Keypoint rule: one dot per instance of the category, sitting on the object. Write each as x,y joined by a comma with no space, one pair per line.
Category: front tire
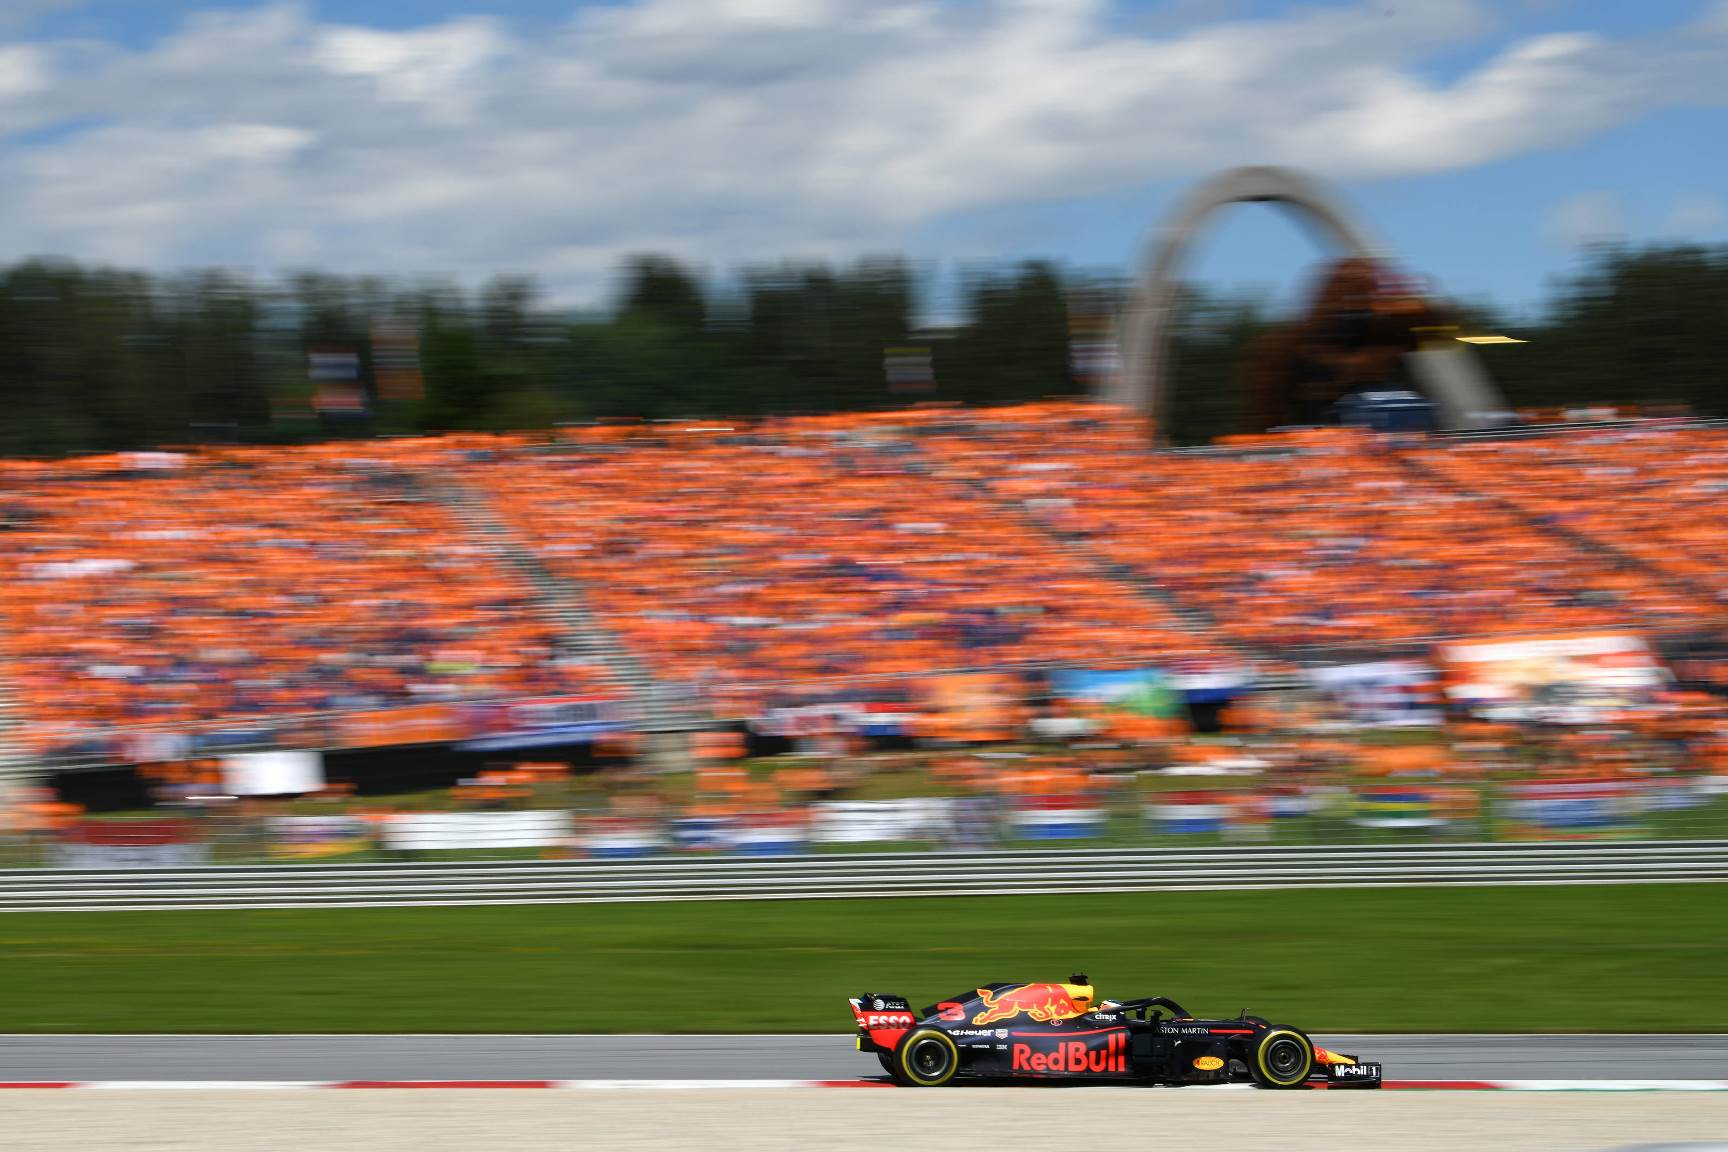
925,1058
1281,1058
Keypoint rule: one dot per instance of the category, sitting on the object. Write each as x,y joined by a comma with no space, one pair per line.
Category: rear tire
925,1058
1281,1058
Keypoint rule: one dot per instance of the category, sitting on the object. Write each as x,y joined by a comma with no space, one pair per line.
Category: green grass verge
1634,958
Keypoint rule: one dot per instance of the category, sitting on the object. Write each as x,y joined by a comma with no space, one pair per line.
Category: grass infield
1612,958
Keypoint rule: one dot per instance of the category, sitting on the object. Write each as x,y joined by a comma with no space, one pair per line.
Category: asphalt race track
830,1057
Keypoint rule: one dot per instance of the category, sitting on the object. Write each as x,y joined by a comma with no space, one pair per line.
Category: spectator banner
1383,693
1217,687
163,745
1062,727
263,734
1137,691
156,747
337,387
1573,806
419,724
622,838
1058,818
1585,805
1288,803
311,837
700,833
881,821
973,706
540,723
769,834
1189,812
273,773
130,844
864,719
1558,679
885,719
908,370
443,831
1393,807
804,720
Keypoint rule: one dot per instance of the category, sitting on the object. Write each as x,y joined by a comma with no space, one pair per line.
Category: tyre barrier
841,876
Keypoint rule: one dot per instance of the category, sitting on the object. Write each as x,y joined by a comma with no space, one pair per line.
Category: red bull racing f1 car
1058,1032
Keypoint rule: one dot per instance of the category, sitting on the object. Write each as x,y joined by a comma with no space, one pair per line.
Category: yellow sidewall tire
903,1063
1265,1074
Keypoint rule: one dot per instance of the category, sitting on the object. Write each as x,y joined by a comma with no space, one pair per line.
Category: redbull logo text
1075,1056
1042,1002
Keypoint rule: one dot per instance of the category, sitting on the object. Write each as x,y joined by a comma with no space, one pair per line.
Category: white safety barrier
843,875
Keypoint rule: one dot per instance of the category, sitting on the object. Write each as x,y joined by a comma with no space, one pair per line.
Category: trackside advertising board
1140,691
1574,678
1382,693
542,723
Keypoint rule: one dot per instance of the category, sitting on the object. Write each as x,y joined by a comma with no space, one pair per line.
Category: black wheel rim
1284,1057
929,1059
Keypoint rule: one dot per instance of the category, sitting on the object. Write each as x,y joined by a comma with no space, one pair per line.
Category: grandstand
1647,495
241,591
1326,538
234,586
803,553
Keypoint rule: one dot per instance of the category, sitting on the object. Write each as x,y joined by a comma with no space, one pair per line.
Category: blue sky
1486,143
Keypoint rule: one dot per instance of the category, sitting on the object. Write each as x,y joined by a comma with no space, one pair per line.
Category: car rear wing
882,1020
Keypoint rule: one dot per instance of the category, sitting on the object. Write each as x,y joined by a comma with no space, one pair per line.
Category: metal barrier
863,875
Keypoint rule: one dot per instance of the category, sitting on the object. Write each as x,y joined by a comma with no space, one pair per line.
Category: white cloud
1594,217
724,130
23,71
441,66
1533,96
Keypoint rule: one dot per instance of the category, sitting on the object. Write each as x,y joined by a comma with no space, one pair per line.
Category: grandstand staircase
659,707
1619,558
15,762
1191,618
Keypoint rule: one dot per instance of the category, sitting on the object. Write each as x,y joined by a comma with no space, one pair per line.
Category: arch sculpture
1447,371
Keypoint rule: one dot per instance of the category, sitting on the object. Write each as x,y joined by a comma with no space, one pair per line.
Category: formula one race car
1053,1032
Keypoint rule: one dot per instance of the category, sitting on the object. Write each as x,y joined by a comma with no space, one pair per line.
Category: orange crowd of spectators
801,553
1299,539
1653,492
753,563
248,583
